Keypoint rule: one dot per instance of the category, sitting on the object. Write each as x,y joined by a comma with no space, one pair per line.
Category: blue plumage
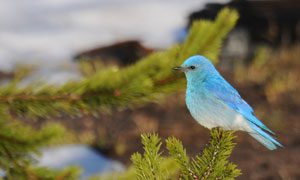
213,102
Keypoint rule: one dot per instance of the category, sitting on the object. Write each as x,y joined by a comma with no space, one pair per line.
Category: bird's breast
207,110
200,107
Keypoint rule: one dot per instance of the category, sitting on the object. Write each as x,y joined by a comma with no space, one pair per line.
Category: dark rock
120,54
6,75
268,21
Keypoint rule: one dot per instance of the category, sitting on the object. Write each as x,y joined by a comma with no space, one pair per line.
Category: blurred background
260,57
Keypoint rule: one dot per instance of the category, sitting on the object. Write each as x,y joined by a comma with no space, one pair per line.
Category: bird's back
210,111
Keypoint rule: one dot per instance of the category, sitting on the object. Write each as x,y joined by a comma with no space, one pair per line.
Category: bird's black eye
192,67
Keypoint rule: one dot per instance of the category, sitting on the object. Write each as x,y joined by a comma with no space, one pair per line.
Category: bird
214,103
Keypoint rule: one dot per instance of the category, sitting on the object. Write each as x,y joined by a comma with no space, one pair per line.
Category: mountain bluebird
213,102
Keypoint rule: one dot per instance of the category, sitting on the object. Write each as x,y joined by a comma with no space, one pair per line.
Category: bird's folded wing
220,88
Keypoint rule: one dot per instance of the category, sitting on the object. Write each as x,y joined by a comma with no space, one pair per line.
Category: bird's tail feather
264,138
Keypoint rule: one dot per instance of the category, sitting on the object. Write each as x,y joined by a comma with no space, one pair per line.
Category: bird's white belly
210,113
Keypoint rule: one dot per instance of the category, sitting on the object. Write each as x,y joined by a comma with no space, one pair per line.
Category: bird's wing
220,88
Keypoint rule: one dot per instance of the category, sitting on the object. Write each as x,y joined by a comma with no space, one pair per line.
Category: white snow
91,162
50,32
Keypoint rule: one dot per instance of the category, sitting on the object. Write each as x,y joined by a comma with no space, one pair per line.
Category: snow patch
91,162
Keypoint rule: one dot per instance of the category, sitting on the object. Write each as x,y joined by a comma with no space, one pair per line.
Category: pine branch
42,173
203,38
150,79
177,151
211,164
148,165
19,143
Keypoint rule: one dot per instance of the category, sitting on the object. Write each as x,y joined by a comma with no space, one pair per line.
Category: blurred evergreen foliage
150,79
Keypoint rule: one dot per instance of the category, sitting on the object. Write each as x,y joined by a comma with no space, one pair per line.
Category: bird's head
196,67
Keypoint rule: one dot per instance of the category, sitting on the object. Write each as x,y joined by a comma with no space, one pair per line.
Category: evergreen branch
148,165
204,40
150,79
177,151
18,144
213,162
46,98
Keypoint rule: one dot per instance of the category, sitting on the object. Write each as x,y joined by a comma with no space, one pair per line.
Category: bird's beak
179,68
